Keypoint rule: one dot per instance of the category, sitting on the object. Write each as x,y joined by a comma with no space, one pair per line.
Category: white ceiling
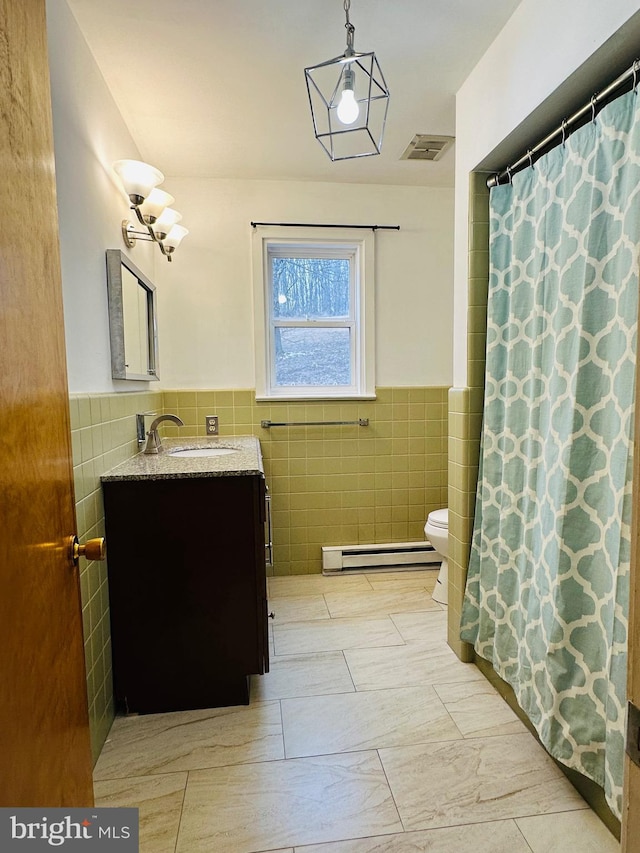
215,88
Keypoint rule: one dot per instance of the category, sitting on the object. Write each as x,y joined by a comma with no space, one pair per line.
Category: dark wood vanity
187,581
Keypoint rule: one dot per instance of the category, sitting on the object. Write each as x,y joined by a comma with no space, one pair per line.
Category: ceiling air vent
424,146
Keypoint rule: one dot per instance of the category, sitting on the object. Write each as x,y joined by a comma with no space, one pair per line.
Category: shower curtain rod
596,100
326,225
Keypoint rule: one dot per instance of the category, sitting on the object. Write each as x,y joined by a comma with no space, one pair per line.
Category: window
314,316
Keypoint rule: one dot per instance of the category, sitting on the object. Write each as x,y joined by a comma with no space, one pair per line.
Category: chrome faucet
140,430
154,443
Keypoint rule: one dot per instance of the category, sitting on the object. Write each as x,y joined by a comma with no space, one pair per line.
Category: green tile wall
337,485
329,485
103,434
465,413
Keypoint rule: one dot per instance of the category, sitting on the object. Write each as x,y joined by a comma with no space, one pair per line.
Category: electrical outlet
211,424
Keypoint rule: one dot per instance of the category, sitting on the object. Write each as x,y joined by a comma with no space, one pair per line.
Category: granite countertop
245,461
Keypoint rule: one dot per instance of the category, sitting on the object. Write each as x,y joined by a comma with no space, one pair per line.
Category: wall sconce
349,100
151,205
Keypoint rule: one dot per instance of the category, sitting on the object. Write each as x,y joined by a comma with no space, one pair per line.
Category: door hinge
633,733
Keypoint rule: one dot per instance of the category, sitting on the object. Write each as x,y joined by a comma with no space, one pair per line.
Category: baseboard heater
395,556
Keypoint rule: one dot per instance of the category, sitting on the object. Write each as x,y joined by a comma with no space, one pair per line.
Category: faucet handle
140,430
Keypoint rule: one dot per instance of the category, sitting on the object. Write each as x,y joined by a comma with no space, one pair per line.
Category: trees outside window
315,305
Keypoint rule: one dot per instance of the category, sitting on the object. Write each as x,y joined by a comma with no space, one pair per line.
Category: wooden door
45,757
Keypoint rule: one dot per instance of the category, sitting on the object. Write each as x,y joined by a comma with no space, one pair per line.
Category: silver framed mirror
132,320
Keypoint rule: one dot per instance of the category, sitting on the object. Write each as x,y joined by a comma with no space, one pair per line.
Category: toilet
437,532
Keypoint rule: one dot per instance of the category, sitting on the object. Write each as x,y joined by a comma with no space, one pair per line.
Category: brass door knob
93,549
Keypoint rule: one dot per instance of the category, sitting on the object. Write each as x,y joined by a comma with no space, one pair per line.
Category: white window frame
359,247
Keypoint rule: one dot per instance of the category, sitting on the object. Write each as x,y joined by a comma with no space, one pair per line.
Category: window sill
305,399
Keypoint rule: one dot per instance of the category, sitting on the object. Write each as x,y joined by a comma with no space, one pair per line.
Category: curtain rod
561,131
326,225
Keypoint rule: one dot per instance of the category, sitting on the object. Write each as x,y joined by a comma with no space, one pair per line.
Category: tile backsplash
330,485
337,485
103,434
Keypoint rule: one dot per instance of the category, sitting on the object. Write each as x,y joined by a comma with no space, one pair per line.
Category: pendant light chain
349,26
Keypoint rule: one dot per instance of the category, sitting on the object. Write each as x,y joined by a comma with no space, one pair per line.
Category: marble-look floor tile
478,710
494,837
321,725
302,675
406,666
286,803
428,628
378,602
186,740
467,781
297,585
325,635
567,832
159,799
400,581
295,608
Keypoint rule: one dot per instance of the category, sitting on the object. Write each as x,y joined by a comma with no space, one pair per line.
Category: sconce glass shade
154,204
165,222
326,84
138,178
174,238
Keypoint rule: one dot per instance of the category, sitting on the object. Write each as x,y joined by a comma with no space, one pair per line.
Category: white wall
205,294
524,71
89,135
205,308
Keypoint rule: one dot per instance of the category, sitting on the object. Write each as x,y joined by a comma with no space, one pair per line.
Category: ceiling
215,88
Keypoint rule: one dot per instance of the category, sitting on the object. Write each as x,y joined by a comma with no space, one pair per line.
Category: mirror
132,320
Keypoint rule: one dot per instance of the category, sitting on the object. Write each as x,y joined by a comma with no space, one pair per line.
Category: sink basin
201,452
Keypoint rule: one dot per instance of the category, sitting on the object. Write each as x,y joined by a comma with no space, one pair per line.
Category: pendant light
349,99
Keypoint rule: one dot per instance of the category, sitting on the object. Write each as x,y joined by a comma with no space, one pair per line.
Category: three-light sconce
151,206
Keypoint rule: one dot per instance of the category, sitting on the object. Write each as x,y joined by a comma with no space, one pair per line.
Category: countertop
246,461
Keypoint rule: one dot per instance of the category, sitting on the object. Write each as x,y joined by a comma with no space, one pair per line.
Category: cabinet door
187,589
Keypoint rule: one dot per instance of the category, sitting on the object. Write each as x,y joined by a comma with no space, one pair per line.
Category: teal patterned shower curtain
548,584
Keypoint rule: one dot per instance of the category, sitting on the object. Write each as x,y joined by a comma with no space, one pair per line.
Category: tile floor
367,736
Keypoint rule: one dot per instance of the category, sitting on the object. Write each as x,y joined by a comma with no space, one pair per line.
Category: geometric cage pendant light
349,100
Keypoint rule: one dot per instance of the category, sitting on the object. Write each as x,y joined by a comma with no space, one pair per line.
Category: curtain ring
635,76
564,131
594,101
510,180
530,155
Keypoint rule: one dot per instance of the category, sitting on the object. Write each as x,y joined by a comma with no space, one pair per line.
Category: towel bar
360,422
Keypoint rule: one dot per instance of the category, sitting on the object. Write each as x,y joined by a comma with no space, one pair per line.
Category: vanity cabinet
187,589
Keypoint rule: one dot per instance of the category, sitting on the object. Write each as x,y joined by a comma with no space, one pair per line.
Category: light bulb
348,109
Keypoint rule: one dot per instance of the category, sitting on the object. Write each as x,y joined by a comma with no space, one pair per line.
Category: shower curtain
547,592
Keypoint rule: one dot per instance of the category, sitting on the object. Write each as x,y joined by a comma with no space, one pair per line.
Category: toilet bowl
437,532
